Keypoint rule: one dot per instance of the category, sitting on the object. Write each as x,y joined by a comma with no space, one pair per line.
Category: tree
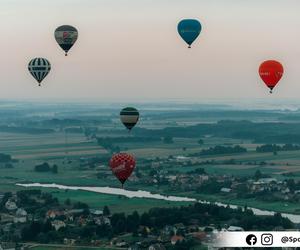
5,158
106,211
133,222
199,171
80,205
291,184
68,202
5,198
47,227
145,219
257,175
55,169
44,167
168,140
138,173
118,222
200,142
144,232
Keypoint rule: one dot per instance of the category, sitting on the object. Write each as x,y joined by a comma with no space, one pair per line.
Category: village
15,221
33,216
165,175
17,224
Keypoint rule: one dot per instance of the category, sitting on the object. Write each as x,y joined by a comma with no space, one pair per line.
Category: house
6,218
225,190
179,227
7,246
58,224
11,205
82,221
135,246
267,180
176,238
202,178
74,212
102,221
235,229
21,216
181,158
172,178
166,233
52,214
69,241
96,212
199,235
286,191
156,246
7,227
121,243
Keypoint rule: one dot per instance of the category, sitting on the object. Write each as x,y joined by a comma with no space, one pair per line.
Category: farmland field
68,150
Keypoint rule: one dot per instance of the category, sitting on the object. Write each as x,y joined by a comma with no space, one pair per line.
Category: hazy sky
130,49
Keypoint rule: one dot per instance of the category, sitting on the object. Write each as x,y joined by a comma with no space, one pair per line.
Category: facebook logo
251,239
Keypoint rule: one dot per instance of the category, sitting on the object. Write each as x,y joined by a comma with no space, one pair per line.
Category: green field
65,150
70,248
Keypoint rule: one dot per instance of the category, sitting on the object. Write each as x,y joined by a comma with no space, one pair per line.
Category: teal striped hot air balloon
189,30
39,68
129,117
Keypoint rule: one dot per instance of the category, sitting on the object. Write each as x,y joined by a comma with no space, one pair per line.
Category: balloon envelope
271,72
189,30
66,36
129,117
39,68
122,165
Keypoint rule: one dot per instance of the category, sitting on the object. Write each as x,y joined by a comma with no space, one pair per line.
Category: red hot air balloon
122,165
271,72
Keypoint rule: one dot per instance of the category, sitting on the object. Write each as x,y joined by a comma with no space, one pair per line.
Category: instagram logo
267,239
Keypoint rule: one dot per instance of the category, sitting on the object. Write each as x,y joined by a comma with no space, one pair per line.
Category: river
146,194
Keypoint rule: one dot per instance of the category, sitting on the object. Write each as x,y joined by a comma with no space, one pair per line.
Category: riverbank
146,194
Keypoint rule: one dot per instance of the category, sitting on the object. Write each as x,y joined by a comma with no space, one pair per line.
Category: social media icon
251,239
267,239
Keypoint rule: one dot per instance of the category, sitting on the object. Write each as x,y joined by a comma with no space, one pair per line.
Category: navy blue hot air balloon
189,30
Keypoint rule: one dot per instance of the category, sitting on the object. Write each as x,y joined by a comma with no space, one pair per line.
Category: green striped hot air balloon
129,117
39,68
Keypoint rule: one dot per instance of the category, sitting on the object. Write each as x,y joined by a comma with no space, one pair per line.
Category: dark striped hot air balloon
129,117
66,36
39,68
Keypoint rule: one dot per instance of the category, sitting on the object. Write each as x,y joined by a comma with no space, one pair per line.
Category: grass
116,203
282,207
35,149
41,247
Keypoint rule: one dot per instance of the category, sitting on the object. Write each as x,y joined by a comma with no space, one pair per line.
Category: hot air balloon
129,117
189,30
271,72
122,165
39,68
66,36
